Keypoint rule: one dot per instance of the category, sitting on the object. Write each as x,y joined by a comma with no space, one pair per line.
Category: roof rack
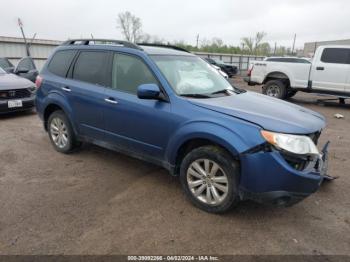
101,41
164,45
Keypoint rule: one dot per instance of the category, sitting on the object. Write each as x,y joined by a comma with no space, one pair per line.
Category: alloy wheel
59,132
207,182
273,91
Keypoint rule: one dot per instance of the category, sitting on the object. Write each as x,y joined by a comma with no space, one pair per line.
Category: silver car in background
16,93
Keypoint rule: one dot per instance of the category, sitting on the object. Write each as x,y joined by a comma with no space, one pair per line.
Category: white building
14,49
310,48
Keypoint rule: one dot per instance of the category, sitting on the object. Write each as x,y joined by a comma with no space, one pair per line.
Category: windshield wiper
228,90
223,91
196,95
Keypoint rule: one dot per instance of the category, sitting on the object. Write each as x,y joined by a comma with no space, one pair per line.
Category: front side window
60,62
336,55
129,73
4,63
26,63
92,67
190,75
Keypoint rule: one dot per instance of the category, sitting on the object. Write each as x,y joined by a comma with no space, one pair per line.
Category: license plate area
14,103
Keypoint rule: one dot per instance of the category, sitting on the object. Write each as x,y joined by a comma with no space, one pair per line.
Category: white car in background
327,73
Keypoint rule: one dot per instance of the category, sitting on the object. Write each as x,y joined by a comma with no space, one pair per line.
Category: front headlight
296,144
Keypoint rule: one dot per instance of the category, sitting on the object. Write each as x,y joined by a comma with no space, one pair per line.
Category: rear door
331,70
86,87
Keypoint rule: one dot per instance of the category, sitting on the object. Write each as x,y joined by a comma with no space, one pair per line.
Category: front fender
233,141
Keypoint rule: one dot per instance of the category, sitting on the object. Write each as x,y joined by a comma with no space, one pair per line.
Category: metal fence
14,49
241,61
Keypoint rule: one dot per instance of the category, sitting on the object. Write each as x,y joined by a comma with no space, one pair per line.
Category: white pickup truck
327,73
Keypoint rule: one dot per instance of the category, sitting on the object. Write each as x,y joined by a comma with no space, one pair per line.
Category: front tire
275,88
291,93
61,132
209,177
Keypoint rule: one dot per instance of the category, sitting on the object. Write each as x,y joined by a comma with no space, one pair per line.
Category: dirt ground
100,202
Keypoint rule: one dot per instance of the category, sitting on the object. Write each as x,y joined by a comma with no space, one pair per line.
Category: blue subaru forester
168,106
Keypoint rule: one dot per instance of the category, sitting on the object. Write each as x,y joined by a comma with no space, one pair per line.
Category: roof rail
101,41
164,45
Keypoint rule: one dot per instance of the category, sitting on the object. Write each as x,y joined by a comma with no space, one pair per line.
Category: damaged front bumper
268,178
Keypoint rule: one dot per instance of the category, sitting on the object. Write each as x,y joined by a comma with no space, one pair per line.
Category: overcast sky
230,20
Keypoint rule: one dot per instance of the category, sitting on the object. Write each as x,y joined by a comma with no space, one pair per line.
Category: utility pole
32,40
20,24
295,37
274,50
197,41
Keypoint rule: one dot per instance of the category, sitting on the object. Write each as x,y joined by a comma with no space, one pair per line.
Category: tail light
38,81
250,70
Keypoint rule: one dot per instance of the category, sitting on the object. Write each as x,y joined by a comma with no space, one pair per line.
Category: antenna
20,24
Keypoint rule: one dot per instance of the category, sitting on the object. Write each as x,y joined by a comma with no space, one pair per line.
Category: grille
14,94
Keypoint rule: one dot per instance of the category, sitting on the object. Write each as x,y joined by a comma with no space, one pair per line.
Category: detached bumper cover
268,178
27,103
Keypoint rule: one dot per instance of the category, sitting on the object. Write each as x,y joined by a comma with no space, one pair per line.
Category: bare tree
248,43
130,25
255,45
258,39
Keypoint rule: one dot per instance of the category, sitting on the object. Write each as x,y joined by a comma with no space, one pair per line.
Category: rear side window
61,61
336,55
129,72
92,67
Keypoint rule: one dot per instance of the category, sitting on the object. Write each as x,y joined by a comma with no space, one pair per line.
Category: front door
133,124
332,69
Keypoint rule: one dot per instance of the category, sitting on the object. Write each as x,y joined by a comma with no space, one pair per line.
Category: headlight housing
295,144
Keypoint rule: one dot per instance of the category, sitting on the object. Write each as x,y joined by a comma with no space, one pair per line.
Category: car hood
11,81
269,113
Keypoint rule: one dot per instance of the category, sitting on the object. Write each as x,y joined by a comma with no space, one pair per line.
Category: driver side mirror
148,91
21,71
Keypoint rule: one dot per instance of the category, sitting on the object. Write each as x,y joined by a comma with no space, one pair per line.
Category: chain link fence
241,61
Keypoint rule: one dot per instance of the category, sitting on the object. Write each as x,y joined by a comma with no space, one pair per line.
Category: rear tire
209,178
61,133
275,88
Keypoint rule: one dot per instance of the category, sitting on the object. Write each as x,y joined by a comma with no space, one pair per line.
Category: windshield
2,71
190,75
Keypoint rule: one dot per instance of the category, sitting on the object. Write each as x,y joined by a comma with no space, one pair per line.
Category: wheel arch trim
215,133
57,99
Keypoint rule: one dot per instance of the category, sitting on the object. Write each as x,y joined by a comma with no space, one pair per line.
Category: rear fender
55,98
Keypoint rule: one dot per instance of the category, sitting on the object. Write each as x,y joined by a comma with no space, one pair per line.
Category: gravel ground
100,202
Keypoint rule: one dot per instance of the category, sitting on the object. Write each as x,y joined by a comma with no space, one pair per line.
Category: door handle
111,101
320,68
67,89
